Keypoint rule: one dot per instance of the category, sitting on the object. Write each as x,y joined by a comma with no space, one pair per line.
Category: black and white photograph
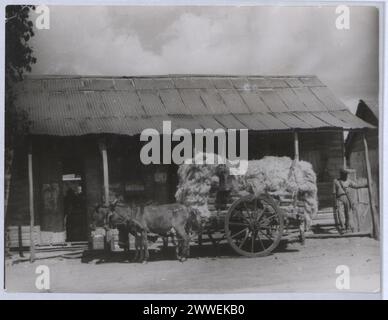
192,149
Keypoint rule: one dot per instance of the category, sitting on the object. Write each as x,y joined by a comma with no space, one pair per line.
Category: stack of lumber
20,236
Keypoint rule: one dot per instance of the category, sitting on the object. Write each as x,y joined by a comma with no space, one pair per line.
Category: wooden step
324,216
337,235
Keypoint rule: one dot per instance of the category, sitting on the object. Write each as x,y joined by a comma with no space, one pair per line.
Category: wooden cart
255,225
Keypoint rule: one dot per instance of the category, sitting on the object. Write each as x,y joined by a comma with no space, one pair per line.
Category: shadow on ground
158,254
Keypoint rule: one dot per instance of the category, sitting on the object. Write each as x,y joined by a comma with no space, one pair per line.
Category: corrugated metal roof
68,106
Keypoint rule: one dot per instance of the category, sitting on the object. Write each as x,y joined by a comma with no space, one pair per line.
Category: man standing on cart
344,204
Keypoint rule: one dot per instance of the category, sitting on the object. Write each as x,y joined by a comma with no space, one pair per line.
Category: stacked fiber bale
279,175
195,182
269,174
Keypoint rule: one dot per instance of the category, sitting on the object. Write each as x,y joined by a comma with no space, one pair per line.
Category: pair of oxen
167,220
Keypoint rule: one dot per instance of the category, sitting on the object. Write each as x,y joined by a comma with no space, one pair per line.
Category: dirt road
309,268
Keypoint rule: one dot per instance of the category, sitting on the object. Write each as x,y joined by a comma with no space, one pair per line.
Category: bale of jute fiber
195,181
280,175
269,174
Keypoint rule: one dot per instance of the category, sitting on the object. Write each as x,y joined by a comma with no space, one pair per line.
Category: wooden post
296,146
20,238
343,150
32,216
105,171
375,217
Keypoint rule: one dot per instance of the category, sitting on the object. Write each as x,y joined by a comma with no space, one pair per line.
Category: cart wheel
254,225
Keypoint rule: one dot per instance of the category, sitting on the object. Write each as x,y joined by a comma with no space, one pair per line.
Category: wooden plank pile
19,236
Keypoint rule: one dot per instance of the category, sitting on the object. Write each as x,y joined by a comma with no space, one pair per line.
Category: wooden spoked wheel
254,225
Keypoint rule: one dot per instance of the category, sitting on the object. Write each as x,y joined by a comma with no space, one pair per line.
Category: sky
254,40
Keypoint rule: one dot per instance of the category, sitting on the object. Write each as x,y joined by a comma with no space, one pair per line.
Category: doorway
74,200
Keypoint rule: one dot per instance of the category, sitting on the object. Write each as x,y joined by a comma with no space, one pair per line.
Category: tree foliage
18,53
18,59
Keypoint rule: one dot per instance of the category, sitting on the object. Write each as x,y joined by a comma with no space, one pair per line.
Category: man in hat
344,204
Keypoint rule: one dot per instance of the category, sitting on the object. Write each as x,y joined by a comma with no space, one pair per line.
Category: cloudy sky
214,40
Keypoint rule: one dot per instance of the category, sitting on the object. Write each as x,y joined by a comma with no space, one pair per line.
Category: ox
164,220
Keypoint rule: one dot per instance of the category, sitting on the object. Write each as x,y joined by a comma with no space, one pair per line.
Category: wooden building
368,111
84,143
